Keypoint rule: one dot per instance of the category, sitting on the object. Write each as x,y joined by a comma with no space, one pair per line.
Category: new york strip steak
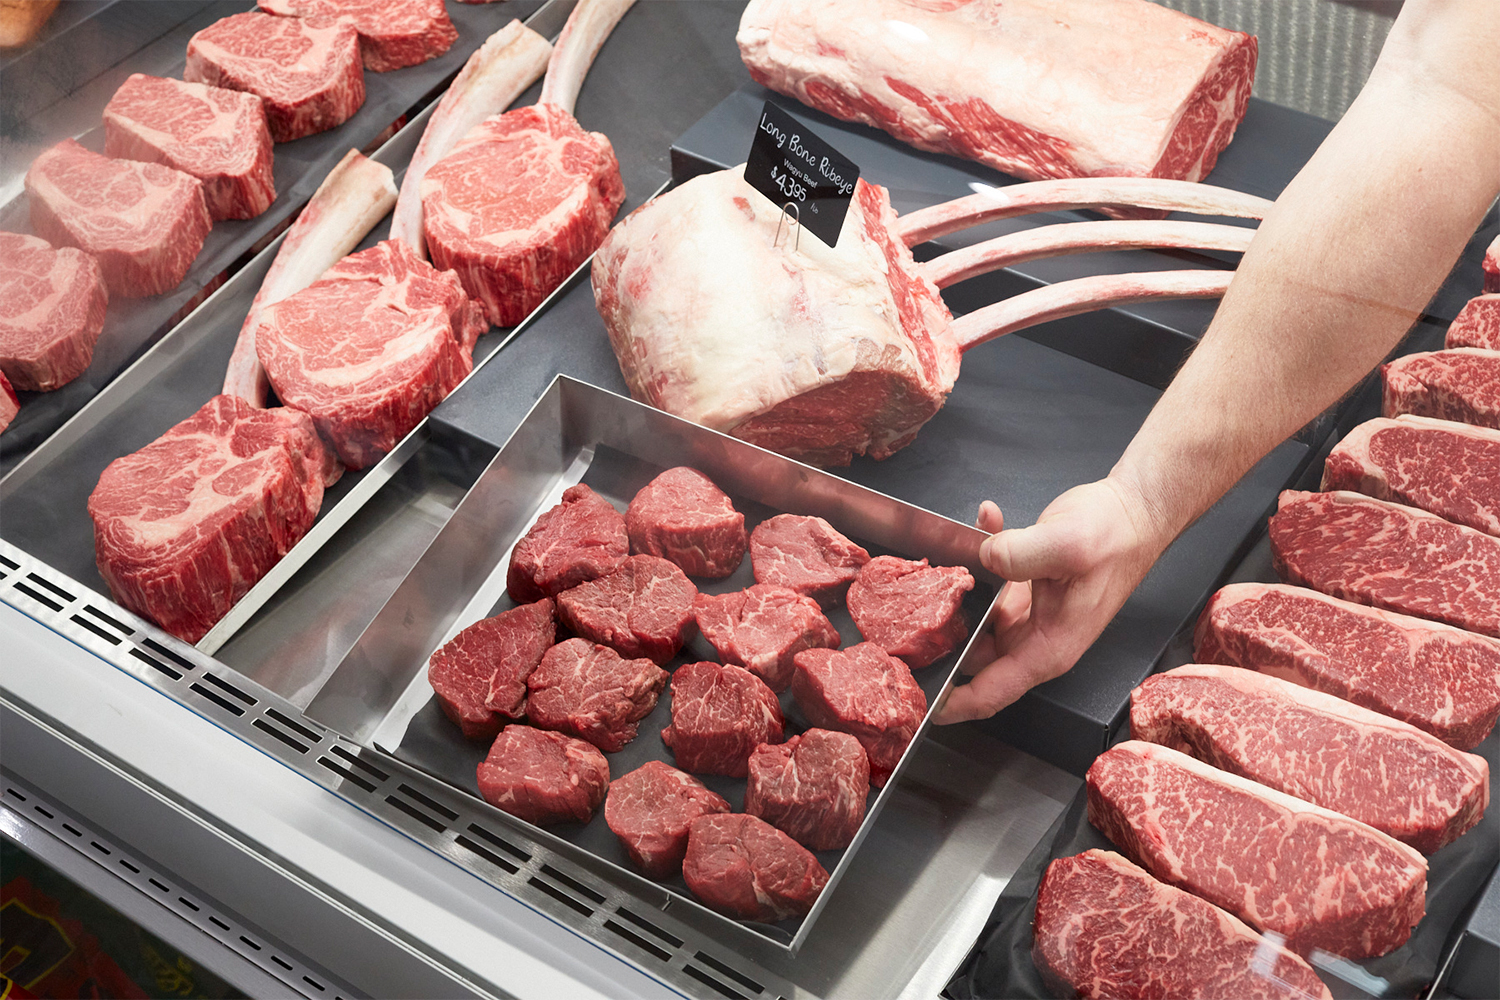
1462,384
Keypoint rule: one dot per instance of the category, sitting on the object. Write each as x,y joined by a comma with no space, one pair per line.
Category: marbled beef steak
10,405
1476,325
642,608
745,867
51,311
910,609
805,554
392,33
650,810
763,628
591,692
863,691
682,516
580,539
543,777
720,714
479,676
1462,384
812,787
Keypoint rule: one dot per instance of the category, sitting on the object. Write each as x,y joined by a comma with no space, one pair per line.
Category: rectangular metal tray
379,695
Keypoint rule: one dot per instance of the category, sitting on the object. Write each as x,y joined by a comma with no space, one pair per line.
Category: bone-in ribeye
54,303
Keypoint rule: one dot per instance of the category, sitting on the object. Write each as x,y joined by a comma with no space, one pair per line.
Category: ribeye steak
682,516
479,676
745,867
910,609
543,777
591,692
51,311
642,608
580,539
805,554
763,628
650,810
1460,385
1476,325
812,787
864,691
392,33
720,714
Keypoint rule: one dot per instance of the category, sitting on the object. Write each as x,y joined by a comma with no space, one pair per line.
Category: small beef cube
543,777
720,714
480,674
812,787
644,608
745,867
682,516
593,693
650,810
805,554
762,628
910,609
580,539
863,691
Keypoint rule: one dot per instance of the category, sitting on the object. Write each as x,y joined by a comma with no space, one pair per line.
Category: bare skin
1341,267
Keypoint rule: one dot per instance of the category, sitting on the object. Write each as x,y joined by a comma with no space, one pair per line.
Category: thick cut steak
812,787
392,33
51,311
370,348
543,777
185,527
1388,556
682,516
593,693
479,676
217,135
1030,87
1447,468
580,539
745,867
763,628
1476,325
1380,771
643,608
1443,680
1105,928
650,810
863,691
805,554
910,609
10,405
1320,879
720,714
1459,385
306,70
144,223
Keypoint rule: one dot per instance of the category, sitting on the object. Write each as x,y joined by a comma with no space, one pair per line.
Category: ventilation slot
151,661
416,813
346,774
39,598
561,897
650,928
109,620
572,883
189,903
436,807
223,703
500,842
486,854
314,984
282,962
157,647
113,640
229,689
266,727
100,847
15,795
69,827
41,582
660,954
294,726
713,984
360,763
724,970
8,564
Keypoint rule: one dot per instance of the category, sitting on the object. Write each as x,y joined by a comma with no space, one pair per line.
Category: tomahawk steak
910,609
763,628
479,676
745,867
863,691
805,554
51,311
682,516
543,777
1451,385
720,714
1477,324
392,33
650,810
593,693
580,539
642,608
812,787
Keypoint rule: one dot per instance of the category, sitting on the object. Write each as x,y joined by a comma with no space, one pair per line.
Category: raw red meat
479,676
591,692
1492,267
682,516
863,691
217,135
543,777
1317,877
306,70
392,33
805,554
1388,556
812,787
1447,468
1391,775
581,539
650,810
763,628
9,404
1442,680
910,609
142,222
745,867
51,311
1459,385
643,608
1105,928
185,527
720,714
370,347
1476,325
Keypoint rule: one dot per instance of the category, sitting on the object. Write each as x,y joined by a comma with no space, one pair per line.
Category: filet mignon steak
643,608
720,714
682,516
650,810
805,554
1477,324
580,539
591,692
763,628
812,787
543,777
910,609
863,691
392,33
745,867
51,311
1462,385
479,676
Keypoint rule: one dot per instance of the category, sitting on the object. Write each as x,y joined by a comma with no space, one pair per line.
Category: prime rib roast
910,609
479,676
743,866
864,691
581,538
682,516
642,608
812,787
392,33
762,628
590,691
805,554
10,404
1462,384
543,777
650,810
51,311
1477,324
720,714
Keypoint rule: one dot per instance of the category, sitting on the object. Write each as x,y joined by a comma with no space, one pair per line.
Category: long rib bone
582,37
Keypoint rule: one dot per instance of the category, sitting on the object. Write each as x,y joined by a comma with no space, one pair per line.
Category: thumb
1033,553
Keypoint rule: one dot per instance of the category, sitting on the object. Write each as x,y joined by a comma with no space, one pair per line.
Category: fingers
1000,683
990,518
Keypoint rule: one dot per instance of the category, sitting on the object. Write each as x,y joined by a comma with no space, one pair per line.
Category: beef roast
10,405
805,554
910,609
543,777
866,692
51,311
479,676
1320,879
1462,385
650,810
144,223
745,867
1476,325
682,516
1442,680
1105,928
812,787
643,608
720,714
593,693
580,539
392,33
763,628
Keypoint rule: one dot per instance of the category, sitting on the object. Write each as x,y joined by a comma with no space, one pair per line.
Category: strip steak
745,867
650,810
479,676
643,608
805,554
51,311
1462,385
580,539
864,691
392,33
543,777
591,692
910,609
763,628
682,516
720,714
1477,324
812,787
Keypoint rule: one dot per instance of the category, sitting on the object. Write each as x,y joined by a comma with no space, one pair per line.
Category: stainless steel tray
379,696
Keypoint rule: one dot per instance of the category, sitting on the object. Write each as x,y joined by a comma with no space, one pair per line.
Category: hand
1070,573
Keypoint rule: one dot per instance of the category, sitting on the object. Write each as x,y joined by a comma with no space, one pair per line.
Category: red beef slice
650,810
805,554
720,714
863,691
479,676
910,609
591,692
644,608
9,404
581,539
762,628
745,867
392,33
812,787
543,777
51,311
682,516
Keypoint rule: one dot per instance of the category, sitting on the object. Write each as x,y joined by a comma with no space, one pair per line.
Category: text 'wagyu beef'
1462,384
643,608
593,693
682,516
51,311
580,539
763,628
812,787
863,691
543,777
479,676
720,714
910,609
392,33
745,867
650,810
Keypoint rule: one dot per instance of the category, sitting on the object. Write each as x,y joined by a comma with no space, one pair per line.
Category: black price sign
789,164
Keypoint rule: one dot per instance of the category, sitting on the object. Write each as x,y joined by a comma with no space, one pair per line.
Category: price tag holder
789,164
